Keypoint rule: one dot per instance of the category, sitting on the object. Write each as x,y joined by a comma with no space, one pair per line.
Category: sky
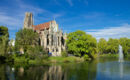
100,18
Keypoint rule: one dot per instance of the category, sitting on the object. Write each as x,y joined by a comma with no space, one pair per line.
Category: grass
23,59
65,59
110,55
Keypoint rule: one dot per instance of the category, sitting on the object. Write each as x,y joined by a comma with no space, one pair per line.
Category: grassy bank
65,59
48,60
109,55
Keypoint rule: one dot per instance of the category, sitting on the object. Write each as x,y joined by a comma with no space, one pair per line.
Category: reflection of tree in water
81,71
2,72
69,71
6,72
31,73
40,73
55,73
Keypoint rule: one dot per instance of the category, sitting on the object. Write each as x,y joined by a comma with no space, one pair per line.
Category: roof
42,26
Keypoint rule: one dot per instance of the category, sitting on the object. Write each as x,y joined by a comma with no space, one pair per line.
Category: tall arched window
47,39
62,41
52,40
58,40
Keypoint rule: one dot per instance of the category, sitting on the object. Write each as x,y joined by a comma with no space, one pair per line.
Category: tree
4,45
125,43
36,52
102,45
4,31
113,45
79,43
25,38
4,38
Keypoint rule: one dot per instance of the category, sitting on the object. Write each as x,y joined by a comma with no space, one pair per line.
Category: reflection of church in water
55,73
52,39
34,73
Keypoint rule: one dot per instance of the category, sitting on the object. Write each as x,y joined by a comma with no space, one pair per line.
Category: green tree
4,38
113,45
102,45
25,38
4,31
125,43
36,52
11,47
79,43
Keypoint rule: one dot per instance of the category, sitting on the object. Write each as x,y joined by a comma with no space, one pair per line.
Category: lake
102,69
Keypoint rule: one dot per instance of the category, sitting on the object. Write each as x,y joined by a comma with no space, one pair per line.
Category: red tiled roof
42,26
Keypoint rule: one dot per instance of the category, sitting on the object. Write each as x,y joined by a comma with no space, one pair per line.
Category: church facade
51,38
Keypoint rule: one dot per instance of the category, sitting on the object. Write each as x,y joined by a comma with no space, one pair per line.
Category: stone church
51,38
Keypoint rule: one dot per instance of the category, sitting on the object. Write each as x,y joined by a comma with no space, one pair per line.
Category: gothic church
51,38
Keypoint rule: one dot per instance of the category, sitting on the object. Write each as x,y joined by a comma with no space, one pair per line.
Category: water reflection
2,72
113,71
121,69
69,71
55,73
10,73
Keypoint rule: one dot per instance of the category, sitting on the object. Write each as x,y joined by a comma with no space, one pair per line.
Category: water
104,69
121,54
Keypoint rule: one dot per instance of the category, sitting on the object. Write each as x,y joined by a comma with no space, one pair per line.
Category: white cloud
86,2
70,2
13,17
57,15
9,21
93,15
56,2
111,32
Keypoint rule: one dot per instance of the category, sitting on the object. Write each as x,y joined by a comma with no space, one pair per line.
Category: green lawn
65,59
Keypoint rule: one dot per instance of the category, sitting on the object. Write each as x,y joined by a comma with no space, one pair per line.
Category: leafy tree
4,31
3,45
64,53
36,52
125,43
113,45
102,45
11,47
79,43
4,38
25,38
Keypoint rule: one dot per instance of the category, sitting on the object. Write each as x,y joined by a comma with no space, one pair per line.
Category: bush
36,52
64,54
86,57
65,59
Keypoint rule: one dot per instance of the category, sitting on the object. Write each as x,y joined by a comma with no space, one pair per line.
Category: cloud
57,15
111,32
93,15
9,21
56,2
14,19
70,2
13,16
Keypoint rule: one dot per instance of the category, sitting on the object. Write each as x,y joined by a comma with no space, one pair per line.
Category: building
51,38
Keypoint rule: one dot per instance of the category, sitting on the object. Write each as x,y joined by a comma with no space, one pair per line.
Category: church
51,38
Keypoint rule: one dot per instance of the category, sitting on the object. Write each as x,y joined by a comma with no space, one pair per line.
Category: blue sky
101,18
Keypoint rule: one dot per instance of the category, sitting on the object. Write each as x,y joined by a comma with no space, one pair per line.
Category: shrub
86,57
64,54
36,52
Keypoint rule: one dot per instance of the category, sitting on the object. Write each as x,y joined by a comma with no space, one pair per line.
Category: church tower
28,21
